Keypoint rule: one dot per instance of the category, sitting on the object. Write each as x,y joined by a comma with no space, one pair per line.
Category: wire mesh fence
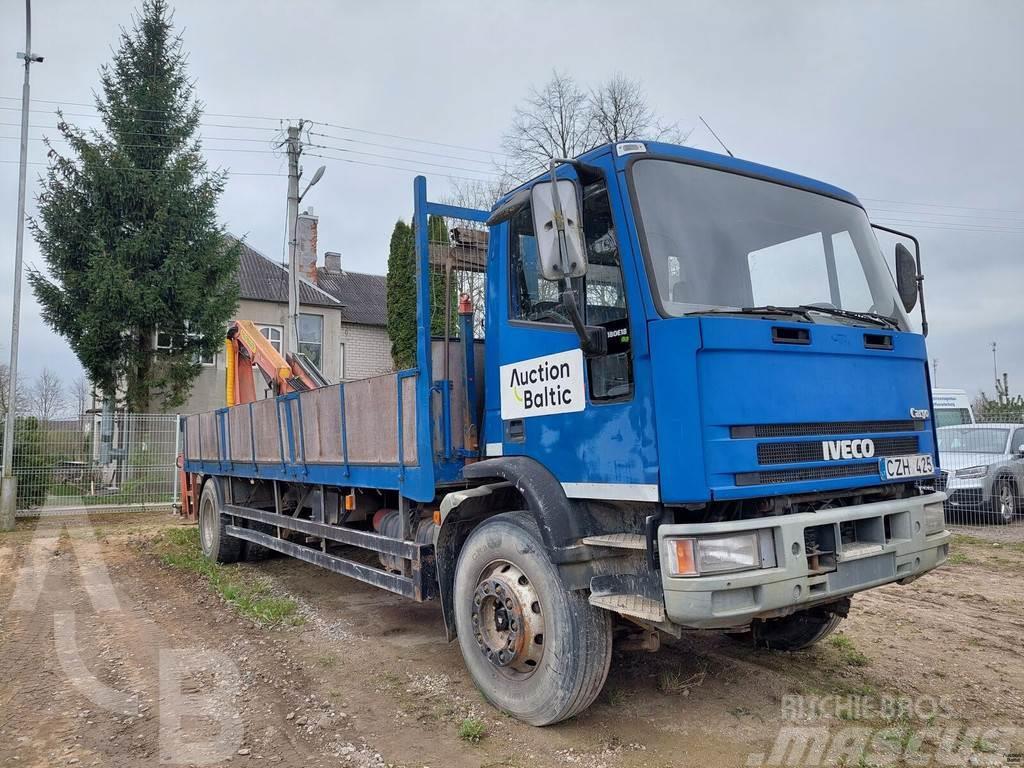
94,462
982,463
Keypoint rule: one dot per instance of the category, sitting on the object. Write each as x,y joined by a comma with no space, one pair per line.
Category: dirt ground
109,657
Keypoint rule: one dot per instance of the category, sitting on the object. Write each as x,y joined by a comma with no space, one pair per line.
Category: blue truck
656,390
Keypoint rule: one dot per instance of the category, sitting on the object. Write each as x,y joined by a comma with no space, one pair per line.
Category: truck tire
534,649
215,542
794,632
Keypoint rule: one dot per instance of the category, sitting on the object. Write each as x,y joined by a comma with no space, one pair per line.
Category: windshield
972,440
946,417
721,240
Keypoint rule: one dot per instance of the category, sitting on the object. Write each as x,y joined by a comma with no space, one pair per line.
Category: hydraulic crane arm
247,350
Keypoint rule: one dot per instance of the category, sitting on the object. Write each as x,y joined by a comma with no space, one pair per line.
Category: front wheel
794,632
534,649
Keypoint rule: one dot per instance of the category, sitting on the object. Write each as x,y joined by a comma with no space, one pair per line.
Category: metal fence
983,469
94,462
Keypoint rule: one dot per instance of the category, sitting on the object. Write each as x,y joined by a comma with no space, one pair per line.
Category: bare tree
553,121
80,394
619,111
563,120
48,396
20,396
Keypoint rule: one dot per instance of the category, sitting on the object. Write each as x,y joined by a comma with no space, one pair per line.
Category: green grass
248,594
848,652
472,729
959,558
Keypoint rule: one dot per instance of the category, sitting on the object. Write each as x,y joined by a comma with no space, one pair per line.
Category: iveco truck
657,390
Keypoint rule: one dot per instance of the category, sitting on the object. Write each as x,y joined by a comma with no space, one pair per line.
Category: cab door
578,417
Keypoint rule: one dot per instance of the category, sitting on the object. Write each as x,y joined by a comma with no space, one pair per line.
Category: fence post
177,453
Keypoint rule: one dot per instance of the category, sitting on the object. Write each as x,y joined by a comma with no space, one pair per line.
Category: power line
162,170
399,159
381,165
93,106
407,138
400,149
940,205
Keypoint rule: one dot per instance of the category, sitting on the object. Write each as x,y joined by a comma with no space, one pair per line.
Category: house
342,323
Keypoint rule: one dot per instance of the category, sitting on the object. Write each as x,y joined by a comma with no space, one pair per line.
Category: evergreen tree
401,287
127,227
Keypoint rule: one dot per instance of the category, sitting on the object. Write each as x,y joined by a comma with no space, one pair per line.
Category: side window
611,376
532,297
1018,441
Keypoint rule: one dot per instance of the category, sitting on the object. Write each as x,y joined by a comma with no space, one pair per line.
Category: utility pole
294,142
995,370
8,483
935,372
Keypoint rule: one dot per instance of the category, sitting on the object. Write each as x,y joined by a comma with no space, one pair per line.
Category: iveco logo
847,449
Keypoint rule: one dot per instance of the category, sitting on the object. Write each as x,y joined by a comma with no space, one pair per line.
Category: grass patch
672,682
848,652
959,558
248,594
472,729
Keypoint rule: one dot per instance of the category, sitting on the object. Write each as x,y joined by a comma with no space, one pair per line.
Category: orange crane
247,350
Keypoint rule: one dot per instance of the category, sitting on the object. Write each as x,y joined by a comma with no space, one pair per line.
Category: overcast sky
917,108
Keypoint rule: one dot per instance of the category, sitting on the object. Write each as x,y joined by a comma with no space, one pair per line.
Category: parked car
983,468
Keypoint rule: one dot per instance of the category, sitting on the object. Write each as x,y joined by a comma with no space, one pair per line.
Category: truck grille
825,428
791,453
772,477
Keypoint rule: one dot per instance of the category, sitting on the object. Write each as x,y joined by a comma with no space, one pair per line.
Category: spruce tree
127,227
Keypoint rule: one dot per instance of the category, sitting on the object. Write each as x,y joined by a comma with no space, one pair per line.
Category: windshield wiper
867,317
765,310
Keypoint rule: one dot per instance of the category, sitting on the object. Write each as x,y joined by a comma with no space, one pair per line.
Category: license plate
915,465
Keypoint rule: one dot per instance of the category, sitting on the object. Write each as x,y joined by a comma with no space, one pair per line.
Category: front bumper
893,547
971,494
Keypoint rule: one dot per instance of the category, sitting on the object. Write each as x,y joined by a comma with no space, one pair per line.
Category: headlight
702,555
934,519
969,472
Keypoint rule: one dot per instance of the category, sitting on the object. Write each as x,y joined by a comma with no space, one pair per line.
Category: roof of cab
657,149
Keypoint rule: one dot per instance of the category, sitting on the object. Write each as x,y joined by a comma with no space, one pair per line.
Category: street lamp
293,272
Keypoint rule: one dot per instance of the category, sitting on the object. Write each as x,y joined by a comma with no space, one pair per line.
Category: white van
952,407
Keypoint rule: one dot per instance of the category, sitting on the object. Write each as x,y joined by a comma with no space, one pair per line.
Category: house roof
260,279
364,298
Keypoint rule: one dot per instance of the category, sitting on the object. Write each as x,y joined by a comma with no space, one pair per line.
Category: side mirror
557,262
906,276
1020,451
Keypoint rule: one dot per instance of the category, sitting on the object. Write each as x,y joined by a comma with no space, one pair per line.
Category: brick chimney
332,262
305,247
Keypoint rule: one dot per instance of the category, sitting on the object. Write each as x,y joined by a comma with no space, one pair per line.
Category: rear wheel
215,542
534,649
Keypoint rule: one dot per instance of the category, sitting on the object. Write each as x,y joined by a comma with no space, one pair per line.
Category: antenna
716,136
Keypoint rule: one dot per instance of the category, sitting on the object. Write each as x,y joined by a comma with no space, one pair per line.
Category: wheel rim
1006,501
508,621
207,520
